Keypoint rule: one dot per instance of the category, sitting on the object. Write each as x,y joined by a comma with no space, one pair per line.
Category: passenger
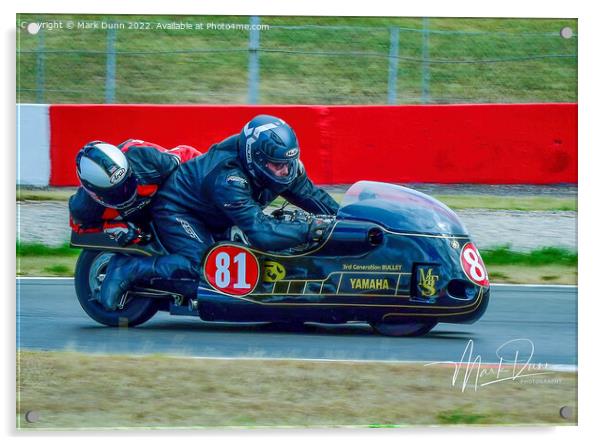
118,183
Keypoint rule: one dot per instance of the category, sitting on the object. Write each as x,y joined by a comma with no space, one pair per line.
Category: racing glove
319,227
123,233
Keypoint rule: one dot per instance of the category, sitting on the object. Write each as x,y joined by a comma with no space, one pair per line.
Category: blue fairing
399,209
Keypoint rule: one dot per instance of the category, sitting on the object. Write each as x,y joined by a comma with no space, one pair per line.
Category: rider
229,186
118,184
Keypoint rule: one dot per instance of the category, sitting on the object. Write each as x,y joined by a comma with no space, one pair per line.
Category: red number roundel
473,266
232,270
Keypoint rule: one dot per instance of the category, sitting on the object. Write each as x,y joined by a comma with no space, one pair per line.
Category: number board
473,266
232,269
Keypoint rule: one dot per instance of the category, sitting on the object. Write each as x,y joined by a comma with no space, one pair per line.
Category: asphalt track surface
543,318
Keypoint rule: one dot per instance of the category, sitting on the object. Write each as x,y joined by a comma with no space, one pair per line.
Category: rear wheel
407,329
89,272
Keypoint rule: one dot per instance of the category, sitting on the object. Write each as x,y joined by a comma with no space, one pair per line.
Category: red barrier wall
492,144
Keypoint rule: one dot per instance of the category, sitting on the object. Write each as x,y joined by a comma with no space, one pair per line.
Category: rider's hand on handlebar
279,213
292,215
319,227
123,233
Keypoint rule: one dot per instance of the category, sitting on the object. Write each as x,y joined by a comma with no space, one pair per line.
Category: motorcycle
395,258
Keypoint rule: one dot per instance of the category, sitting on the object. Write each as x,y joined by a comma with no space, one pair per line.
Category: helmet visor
279,171
119,196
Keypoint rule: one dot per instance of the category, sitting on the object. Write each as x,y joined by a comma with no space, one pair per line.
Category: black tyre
89,271
407,329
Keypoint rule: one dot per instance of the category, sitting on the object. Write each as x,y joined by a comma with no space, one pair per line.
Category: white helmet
106,175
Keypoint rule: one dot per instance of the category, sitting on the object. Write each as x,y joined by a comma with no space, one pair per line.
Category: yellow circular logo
273,271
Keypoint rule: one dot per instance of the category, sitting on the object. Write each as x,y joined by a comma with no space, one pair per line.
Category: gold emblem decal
427,283
273,271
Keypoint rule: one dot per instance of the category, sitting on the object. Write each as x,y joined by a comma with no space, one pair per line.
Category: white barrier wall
33,145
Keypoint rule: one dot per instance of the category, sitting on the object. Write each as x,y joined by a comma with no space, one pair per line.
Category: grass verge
524,203
53,194
491,202
60,266
72,391
456,202
549,265
551,274
38,260
533,63
41,250
542,266
539,257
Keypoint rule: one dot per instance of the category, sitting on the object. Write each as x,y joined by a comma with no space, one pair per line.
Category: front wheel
89,272
408,329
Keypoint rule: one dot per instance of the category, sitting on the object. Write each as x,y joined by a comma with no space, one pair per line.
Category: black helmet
269,150
105,174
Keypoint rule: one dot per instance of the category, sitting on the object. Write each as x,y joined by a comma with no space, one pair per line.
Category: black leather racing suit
211,193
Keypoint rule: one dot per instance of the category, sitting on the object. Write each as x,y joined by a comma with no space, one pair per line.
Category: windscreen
400,209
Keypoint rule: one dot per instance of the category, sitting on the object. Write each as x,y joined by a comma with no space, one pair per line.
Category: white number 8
222,275
477,272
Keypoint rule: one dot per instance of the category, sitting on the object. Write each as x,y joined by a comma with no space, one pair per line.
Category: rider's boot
123,270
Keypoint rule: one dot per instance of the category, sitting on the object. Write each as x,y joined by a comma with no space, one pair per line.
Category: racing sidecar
395,258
